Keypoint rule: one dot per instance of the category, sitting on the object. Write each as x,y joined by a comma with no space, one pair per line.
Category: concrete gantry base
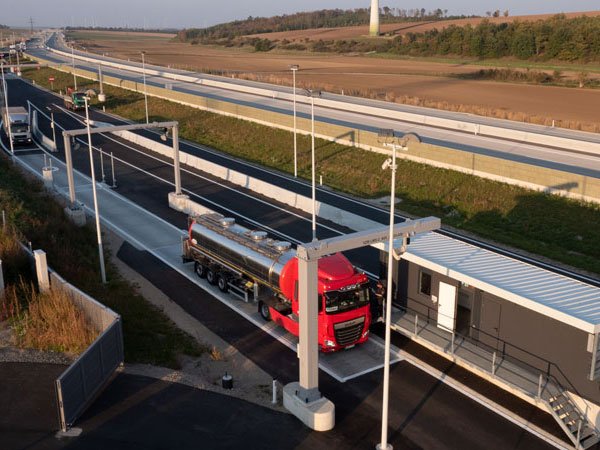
178,201
48,176
76,214
318,415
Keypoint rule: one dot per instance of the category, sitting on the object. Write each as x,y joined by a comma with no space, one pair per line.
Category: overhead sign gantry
303,398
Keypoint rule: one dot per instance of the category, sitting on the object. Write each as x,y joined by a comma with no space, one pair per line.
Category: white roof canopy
570,301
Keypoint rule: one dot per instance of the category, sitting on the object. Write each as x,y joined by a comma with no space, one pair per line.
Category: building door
489,323
464,311
446,306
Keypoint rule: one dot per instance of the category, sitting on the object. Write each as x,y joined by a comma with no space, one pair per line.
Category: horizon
181,12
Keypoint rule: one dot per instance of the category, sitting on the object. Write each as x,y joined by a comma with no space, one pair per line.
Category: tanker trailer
258,268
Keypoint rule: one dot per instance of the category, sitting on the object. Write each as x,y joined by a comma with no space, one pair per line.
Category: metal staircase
571,419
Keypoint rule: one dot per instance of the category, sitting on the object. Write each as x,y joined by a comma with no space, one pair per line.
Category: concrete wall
574,186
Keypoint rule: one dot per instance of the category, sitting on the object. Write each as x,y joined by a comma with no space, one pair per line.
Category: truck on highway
74,100
261,269
17,118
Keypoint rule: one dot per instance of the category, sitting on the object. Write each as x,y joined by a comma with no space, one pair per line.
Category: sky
201,13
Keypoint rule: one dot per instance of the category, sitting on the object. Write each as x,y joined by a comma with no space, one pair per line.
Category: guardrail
504,133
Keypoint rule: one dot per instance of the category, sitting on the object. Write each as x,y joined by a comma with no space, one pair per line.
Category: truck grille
349,332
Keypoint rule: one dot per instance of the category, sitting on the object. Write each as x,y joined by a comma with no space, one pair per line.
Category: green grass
551,226
149,336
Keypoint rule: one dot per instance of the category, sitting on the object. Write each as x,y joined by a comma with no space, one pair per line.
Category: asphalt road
425,413
136,412
515,151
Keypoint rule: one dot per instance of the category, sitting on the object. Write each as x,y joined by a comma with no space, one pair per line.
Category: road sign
51,79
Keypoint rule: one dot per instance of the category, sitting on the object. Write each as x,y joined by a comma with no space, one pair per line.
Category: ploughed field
424,82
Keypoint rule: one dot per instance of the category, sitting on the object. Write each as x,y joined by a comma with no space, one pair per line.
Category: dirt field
407,81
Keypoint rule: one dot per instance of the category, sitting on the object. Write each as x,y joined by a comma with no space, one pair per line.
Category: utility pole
31,25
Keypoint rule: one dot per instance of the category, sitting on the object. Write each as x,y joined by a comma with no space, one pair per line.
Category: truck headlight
365,334
329,343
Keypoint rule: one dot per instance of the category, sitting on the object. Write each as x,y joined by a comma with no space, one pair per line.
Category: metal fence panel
76,386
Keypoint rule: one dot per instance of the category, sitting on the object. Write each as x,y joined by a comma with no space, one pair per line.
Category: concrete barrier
507,132
45,140
269,190
542,179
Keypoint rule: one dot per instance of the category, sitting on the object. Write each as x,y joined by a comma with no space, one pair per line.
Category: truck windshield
340,301
78,98
19,128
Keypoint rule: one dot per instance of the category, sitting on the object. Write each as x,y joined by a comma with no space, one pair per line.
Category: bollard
494,364
274,401
227,381
112,165
41,269
3,219
416,324
321,180
102,163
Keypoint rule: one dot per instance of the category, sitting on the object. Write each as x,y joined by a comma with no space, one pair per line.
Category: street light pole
73,66
294,68
384,445
312,95
5,89
98,232
145,93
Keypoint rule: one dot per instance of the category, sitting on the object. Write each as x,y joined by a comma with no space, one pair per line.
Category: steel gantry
303,398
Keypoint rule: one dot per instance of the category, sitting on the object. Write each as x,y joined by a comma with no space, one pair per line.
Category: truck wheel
222,282
211,276
264,311
200,269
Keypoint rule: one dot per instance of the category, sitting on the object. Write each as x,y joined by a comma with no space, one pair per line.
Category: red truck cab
344,314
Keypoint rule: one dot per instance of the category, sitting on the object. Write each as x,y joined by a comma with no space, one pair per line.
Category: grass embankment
44,321
149,336
548,225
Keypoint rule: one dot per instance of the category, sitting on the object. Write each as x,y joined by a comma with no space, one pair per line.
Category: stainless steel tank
246,250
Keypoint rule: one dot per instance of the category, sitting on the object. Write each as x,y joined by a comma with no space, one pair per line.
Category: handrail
550,370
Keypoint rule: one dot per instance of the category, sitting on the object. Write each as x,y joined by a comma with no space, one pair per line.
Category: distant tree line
325,18
4,27
556,38
553,38
131,30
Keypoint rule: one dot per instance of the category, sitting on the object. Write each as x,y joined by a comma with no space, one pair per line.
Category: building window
425,283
